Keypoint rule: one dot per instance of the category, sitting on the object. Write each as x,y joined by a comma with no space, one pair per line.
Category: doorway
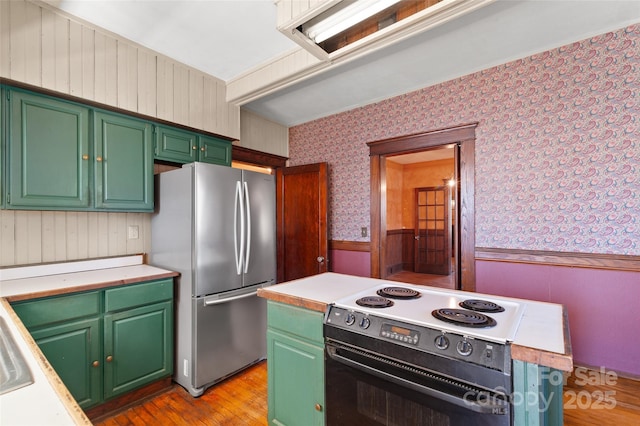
420,212
462,140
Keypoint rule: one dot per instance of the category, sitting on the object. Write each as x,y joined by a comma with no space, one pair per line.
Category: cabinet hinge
9,198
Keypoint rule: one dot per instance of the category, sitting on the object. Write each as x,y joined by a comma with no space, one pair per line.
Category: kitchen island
47,400
540,350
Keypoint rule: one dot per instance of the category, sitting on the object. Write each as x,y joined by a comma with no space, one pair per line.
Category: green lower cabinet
295,366
537,395
138,347
73,349
108,342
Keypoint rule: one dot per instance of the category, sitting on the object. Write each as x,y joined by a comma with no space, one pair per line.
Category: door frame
464,136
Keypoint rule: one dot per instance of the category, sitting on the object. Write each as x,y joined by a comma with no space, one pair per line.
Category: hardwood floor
591,398
442,281
242,400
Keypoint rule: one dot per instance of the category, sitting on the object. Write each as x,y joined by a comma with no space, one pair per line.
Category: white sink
14,372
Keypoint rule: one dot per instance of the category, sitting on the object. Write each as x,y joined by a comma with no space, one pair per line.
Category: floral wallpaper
557,149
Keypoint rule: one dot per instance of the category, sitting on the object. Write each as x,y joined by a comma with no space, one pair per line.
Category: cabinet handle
98,159
194,147
95,364
318,407
110,358
85,157
202,149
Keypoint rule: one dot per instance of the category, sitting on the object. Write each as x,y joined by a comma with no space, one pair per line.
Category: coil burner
479,305
374,302
399,293
464,318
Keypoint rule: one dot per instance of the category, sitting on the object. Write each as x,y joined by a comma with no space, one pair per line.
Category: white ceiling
226,38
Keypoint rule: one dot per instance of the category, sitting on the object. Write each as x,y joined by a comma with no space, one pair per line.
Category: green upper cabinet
215,151
66,156
123,163
182,146
176,145
48,153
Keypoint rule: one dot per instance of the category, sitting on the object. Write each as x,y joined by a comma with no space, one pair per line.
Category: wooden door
433,230
301,216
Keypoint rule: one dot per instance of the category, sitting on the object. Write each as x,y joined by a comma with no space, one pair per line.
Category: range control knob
441,342
365,323
464,348
350,319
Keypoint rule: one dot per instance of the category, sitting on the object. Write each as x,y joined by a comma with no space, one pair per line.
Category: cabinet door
176,145
295,371
123,163
73,350
48,153
215,151
138,347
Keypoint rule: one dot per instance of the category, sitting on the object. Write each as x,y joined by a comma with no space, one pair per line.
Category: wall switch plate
133,232
363,231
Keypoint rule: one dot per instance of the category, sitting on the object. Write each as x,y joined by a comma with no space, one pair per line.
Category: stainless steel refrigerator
215,225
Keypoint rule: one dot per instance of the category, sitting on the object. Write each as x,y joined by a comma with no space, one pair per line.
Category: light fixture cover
331,24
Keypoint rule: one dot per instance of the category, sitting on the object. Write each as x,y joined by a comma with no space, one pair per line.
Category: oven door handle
486,407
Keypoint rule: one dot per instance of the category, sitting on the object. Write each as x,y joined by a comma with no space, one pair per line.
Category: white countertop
38,403
324,288
541,328
51,279
47,401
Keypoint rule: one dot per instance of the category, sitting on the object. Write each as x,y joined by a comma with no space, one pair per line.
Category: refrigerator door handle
248,222
229,299
238,202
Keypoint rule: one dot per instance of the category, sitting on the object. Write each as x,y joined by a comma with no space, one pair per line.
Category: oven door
364,388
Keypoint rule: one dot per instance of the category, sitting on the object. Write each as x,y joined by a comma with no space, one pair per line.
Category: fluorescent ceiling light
347,17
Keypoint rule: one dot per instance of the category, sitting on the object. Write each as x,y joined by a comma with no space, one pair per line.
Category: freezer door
260,254
230,334
216,228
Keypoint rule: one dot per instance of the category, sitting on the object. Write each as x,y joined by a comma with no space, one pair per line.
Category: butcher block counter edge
563,362
291,293
301,302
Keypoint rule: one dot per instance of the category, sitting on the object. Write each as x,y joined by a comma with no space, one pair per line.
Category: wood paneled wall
28,237
399,250
263,135
43,47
